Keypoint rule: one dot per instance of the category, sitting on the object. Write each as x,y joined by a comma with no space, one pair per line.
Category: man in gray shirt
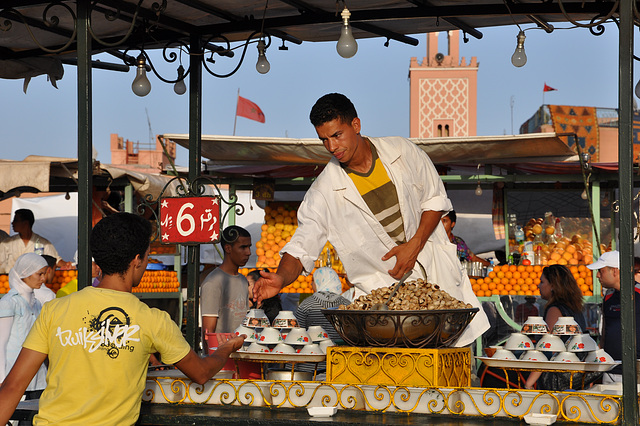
224,294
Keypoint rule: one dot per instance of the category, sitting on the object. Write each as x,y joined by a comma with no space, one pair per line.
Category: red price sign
190,220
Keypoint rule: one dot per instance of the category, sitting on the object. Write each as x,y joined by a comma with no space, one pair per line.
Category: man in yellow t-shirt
99,339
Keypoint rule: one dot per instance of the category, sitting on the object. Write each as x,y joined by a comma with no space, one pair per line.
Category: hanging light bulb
584,195
180,88
141,85
262,66
347,45
478,190
519,58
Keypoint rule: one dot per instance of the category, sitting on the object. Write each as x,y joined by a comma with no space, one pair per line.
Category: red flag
249,110
548,88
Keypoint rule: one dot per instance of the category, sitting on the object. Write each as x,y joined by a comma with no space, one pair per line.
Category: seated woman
564,299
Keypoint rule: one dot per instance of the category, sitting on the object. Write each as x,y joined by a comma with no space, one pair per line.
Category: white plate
548,365
322,411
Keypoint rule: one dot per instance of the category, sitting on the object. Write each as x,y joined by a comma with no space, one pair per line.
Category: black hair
25,214
255,274
117,239
452,215
231,234
332,106
51,261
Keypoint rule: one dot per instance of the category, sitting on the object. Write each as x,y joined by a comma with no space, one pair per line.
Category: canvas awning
267,152
53,174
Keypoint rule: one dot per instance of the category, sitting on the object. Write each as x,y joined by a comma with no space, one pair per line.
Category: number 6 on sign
190,220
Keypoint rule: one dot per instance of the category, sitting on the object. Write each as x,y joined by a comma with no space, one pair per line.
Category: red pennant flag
548,88
249,110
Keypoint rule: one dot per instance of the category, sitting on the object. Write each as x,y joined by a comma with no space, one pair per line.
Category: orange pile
62,278
523,281
4,284
158,282
280,224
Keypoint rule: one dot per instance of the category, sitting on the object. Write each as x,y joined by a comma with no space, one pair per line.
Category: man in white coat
377,199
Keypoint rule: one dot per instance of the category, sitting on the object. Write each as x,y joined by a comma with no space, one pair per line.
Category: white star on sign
164,203
214,201
165,236
214,236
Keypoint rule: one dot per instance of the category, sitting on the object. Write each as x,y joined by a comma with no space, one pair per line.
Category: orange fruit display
524,280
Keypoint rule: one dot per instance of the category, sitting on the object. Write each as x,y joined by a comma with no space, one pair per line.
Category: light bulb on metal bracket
180,88
347,45
519,58
478,189
262,66
141,85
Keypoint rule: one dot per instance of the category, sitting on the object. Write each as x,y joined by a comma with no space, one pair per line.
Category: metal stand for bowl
271,358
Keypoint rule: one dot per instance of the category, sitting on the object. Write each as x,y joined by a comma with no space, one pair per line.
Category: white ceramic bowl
503,354
533,356
518,342
298,336
256,318
540,419
251,337
285,319
312,349
283,348
258,348
599,355
535,325
322,411
566,357
284,332
269,336
324,344
550,343
581,343
317,333
566,325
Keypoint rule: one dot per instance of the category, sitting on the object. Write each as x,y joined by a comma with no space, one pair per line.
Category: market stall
295,23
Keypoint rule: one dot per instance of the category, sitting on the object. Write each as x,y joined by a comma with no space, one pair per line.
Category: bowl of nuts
420,315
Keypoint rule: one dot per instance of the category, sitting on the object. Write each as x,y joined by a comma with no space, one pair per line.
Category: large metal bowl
400,329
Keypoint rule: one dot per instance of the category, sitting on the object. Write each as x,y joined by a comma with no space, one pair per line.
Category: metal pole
85,161
195,148
625,158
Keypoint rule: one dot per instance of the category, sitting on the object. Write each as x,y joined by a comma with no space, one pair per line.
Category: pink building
128,154
443,91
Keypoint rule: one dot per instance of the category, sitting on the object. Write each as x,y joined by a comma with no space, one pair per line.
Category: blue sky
583,68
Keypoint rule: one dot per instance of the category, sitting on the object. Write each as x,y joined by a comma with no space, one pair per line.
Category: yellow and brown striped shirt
379,193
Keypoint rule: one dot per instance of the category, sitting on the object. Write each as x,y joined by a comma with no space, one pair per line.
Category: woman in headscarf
19,309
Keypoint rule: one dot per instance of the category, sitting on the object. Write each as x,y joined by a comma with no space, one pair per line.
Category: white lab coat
333,210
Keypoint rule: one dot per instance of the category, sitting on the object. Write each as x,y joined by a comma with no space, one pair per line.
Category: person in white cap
608,267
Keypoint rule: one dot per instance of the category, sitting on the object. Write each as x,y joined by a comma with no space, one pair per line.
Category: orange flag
249,110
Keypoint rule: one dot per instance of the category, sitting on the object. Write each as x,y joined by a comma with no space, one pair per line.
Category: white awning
240,150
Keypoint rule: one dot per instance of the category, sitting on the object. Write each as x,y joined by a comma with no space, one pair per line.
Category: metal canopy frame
75,30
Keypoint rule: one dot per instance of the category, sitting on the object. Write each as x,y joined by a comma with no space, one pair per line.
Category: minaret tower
443,91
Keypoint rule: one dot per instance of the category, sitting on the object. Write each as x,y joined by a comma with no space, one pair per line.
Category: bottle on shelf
38,247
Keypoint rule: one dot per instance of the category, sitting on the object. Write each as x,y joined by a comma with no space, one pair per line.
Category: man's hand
267,286
406,256
233,344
